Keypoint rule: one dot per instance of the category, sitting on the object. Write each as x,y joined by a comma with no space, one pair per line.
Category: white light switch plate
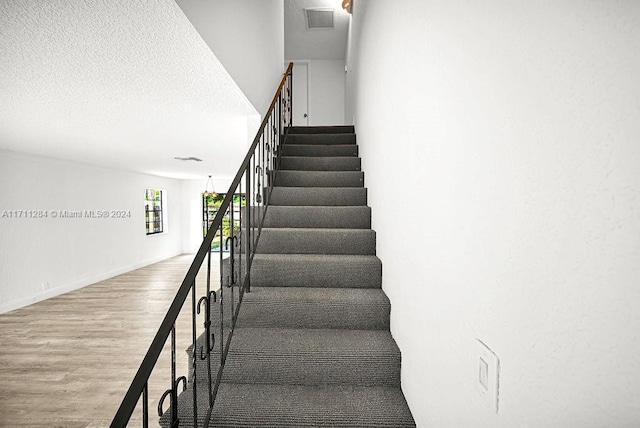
488,380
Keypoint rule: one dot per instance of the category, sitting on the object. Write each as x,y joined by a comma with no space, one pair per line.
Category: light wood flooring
67,361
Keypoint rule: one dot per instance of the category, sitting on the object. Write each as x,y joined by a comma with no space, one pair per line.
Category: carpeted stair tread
331,129
300,356
316,241
317,308
343,217
315,270
293,406
308,307
322,139
319,150
319,178
311,196
328,406
309,163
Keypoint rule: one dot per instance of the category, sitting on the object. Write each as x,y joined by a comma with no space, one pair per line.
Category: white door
300,94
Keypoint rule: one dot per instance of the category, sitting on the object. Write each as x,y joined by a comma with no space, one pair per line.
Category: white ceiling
131,85
122,84
301,43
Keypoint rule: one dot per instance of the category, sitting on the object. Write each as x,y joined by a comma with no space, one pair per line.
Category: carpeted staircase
312,345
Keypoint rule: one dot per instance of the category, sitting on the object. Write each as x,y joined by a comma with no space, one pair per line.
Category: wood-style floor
67,361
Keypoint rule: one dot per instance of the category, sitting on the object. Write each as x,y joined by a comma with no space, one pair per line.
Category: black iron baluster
210,338
276,143
267,170
256,178
279,129
232,281
174,393
270,146
241,243
257,169
221,303
258,196
290,95
194,354
279,113
234,239
288,105
207,324
262,163
285,105
248,244
145,405
253,182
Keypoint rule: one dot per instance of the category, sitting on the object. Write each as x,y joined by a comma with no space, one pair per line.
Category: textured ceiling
301,43
123,84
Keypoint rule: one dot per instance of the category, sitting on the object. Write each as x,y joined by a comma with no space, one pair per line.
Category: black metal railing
237,226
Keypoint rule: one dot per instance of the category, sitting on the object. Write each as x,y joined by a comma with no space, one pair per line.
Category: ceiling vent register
319,18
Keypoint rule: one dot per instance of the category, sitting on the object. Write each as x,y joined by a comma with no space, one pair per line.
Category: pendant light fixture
206,189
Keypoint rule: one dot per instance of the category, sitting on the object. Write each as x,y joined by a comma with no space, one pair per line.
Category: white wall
248,38
500,142
192,213
70,253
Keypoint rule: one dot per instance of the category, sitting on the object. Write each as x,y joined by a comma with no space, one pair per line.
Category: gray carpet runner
312,345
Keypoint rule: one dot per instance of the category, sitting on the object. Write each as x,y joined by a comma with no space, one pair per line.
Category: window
153,211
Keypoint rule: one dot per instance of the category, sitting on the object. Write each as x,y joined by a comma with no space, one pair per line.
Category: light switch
488,375
484,374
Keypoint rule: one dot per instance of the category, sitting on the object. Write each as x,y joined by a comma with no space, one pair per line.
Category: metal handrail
280,110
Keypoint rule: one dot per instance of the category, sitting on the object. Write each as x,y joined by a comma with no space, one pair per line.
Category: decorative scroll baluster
280,118
258,195
210,338
233,240
232,257
248,243
262,164
172,393
240,240
268,168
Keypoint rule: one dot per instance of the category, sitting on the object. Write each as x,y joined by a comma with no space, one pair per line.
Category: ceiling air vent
319,18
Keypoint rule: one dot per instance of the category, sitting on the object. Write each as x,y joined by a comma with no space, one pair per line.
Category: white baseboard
76,285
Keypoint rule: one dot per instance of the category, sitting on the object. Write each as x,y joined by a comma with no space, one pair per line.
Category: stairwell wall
248,39
500,146
45,257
